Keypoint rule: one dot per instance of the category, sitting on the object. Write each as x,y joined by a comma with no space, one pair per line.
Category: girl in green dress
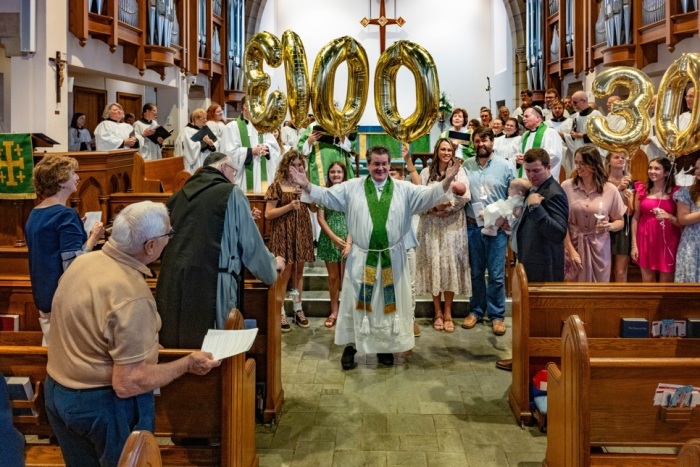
334,242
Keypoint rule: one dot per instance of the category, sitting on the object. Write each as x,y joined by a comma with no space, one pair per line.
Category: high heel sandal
438,324
330,321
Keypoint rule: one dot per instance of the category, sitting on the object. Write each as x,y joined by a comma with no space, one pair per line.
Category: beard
483,153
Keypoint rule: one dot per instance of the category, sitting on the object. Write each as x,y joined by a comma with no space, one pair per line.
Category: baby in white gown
506,210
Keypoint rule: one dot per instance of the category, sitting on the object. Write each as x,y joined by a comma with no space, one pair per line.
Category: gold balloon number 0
634,109
677,142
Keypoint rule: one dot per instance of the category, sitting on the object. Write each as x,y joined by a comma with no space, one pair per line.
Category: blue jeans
487,252
92,424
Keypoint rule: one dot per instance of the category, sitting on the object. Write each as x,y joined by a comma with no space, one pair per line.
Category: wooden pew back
540,309
600,398
159,176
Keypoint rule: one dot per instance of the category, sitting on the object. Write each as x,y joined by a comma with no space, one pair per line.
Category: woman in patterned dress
291,235
688,206
334,242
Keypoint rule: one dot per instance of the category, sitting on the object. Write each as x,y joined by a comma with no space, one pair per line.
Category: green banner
16,166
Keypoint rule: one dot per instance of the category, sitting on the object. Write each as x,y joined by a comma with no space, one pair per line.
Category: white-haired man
102,362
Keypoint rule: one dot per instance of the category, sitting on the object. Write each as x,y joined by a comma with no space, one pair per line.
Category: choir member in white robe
110,134
378,331
246,147
577,137
215,121
510,144
194,152
562,125
146,127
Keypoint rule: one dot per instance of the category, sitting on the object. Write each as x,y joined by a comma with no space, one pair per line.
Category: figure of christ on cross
382,22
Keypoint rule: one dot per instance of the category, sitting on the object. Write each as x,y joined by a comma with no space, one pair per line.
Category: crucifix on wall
382,22
60,64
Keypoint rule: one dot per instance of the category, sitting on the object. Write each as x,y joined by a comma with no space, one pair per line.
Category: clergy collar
500,135
112,120
379,185
585,113
191,125
515,133
241,117
536,128
559,119
147,122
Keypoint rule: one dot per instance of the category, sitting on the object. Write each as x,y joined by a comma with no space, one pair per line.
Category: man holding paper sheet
201,267
102,362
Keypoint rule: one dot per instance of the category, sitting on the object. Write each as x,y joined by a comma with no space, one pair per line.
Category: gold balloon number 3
677,142
262,48
634,109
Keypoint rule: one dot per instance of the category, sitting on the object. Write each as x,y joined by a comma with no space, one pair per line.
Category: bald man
578,137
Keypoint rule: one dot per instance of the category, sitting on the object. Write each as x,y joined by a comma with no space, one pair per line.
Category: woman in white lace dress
442,257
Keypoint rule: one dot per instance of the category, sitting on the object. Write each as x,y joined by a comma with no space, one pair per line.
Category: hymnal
634,327
204,131
161,132
20,389
692,327
9,322
136,144
463,138
668,328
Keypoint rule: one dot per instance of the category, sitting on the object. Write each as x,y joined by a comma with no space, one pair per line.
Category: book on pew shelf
668,328
9,322
463,138
634,327
20,389
692,327
161,132
204,131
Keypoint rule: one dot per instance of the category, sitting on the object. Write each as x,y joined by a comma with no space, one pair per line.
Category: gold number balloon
297,73
634,109
418,60
340,122
263,47
677,142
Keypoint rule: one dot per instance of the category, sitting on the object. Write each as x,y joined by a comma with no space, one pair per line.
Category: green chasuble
537,143
245,142
378,254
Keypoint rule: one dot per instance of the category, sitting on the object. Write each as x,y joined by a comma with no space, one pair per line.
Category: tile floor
443,405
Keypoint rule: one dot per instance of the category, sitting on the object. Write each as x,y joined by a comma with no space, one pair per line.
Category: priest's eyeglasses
170,235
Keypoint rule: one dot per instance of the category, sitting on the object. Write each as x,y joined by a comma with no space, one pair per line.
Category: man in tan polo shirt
102,366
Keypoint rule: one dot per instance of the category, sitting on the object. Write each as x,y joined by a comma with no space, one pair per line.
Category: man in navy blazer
542,229
539,236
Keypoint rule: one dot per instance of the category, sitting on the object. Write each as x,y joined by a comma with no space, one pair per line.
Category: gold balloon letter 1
297,73
418,60
675,141
265,116
634,109
340,122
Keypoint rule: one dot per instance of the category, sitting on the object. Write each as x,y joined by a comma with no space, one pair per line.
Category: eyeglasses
233,169
170,235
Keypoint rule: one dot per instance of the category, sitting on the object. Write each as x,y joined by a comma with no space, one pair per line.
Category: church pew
602,396
220,404
159,176
540,309
141,449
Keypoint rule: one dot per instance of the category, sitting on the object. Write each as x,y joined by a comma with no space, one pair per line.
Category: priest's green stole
378,255
245,142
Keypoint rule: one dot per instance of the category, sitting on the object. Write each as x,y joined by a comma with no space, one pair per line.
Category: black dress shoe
386,358
348,359
505,365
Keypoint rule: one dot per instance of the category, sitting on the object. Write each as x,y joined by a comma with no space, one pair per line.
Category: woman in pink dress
655,227
595,209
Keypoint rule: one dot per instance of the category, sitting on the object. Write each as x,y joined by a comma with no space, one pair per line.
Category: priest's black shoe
348,358
386,358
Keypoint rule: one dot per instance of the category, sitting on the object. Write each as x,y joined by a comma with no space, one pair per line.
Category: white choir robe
575,143
507,148
191,150
407,200
564,128
551,142
232,146
110,135
149,150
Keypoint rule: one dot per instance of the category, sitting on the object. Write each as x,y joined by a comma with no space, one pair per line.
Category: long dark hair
695,188
668,167
74,120
591,158
328,173
434,174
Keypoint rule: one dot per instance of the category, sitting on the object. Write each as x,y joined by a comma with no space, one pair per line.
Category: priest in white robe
111,134
375,304
539,135
255,156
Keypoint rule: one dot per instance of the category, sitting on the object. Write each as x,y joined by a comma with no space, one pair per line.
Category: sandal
449,325
438,324
330,321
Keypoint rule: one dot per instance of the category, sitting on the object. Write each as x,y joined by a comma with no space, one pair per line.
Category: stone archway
516,18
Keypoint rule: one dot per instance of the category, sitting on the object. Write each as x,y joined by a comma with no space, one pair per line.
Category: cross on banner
16,165
382,22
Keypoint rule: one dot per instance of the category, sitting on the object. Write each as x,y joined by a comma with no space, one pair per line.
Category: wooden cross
60,63
382,22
